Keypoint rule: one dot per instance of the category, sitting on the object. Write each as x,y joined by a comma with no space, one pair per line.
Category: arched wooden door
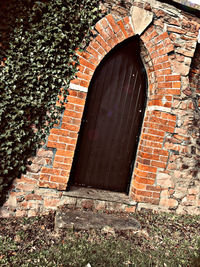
112,121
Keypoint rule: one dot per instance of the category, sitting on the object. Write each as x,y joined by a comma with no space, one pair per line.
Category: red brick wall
63,138
168,46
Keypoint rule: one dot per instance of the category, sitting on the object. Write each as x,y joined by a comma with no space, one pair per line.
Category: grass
164,240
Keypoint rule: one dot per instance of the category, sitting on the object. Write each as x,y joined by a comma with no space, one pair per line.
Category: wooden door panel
112,121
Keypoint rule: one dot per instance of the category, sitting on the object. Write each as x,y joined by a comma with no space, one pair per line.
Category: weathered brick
51,203
144,193
83,76
25,187
130,209
53,137
176,30
44,177
56,145
61,166
128,27
152,137
26,180
59,179
146,168
137,185
104,23
158,164
165,85
149,156
113,24
75,81
172,78
33,197
69,127
46,184
76,100
102,42
161,37
102,31
87,64
121,25
50,171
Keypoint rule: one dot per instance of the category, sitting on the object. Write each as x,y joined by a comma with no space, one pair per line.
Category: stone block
87,204
170,203
69,201
11,202
86,220
180,210
164,180
180,68
141,19
45,153
164,194
193,191
35,168
51,203
130,209
32,213
114,206
21,213
4,213
179,194
99,205
186,202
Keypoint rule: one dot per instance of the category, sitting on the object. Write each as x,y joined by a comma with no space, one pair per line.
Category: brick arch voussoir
152,155
158,47
109,32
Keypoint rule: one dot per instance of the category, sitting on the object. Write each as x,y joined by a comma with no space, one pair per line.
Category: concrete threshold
97,194
97,200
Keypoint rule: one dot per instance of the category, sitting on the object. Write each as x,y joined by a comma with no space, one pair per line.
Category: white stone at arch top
140,19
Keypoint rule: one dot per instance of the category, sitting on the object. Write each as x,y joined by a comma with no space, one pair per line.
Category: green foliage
39,41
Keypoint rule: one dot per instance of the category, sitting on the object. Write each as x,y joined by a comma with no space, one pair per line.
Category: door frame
134,155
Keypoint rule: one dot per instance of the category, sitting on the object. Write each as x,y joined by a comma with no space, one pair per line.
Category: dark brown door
112,121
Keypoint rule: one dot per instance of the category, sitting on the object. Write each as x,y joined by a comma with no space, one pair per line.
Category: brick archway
152,155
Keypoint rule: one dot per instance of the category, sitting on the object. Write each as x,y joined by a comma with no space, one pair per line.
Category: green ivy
38,53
